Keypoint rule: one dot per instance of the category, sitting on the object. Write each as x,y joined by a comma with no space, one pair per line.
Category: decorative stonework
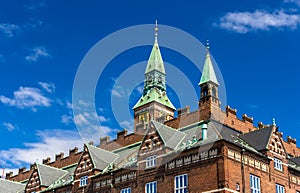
247,160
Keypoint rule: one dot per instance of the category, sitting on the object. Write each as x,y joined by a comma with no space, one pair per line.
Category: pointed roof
155,95
258,139
8,186
208,73
171,137
101,158
48,175
155,61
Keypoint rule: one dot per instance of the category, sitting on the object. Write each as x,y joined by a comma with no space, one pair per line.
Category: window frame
183,183
126,190
280,188
255,186
84,180
154,184
151,161
278,164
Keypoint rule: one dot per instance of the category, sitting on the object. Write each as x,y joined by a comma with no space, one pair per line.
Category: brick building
209,150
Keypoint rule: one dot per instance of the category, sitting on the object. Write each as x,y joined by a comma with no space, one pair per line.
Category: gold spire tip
156,26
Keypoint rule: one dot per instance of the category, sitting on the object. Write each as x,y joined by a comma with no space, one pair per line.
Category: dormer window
277,164
151,161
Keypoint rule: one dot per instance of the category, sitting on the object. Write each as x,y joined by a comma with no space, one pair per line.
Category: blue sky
42,44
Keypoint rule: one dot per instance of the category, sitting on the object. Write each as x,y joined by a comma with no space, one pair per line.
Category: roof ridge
130,145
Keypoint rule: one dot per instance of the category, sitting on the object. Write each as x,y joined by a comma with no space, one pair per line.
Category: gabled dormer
159,140
93,160
42,177
154,104
8,186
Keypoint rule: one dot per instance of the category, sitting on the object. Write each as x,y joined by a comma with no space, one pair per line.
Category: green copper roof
157,96
208,73
155,61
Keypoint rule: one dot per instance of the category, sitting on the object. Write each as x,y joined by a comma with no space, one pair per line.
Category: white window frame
254,184
151,161
151,187
83,181
126,190
280,188
182,185
277,164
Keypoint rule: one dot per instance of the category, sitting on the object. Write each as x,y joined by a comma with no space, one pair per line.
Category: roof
48,174
157,96
171,137
155,61
67,179
10,186
208,73
101,158
258,139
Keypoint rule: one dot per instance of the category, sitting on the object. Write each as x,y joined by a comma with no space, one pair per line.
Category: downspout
242,170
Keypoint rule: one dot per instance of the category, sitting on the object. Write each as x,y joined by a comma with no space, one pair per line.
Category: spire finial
156,30
274,122
207,45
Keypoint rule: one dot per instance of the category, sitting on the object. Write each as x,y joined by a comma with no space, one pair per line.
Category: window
254,184
126,190
181,183
83,181
151,161
150,187
279,188
278,164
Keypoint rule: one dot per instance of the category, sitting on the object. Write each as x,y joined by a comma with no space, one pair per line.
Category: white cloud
67,119
51,142
243,22
37,53
49,87
297,2
103,119
27,97
127,125
10,126
81,120
9,30
140,89
120,92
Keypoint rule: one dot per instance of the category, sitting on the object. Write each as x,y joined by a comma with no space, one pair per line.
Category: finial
274,122
207,45
156,30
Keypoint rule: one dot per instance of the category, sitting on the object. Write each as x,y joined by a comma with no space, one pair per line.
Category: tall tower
209,96
154,104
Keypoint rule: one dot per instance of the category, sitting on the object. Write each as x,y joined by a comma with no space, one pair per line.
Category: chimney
122,133
183,111
204,131
248,119
59,156
73,151
46,161
22,170
104,140
291,140
9,175
91,143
